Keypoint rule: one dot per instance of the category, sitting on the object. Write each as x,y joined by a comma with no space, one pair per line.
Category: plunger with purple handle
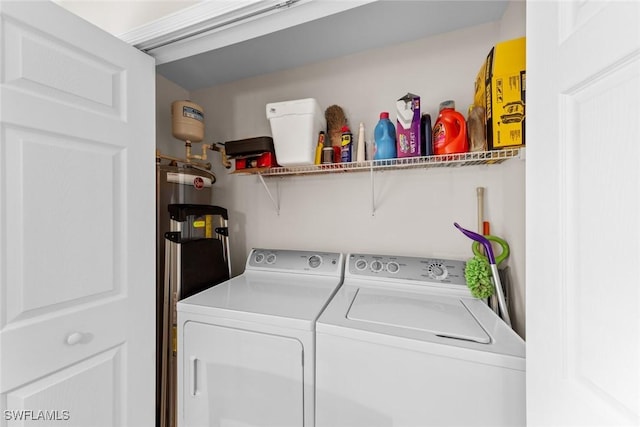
494,269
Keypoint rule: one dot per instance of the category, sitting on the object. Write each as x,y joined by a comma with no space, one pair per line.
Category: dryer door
235,377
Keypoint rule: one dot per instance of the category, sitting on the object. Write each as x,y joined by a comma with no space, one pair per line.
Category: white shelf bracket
373,192
522,153
275,201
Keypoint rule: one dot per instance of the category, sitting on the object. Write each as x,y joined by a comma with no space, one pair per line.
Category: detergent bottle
450,131
385,138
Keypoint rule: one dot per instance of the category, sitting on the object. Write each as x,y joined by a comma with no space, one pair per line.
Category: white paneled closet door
583,213
77,266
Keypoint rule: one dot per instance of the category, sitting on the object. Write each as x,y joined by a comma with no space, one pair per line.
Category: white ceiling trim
214,24
194,19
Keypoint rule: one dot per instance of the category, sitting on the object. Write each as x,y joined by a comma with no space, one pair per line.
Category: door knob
74,338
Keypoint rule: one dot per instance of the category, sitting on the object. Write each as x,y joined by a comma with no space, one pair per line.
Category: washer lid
442,316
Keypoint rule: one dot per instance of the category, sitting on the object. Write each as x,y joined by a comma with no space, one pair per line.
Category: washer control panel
406,268
295,261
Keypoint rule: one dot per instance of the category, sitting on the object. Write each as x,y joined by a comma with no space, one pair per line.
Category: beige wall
414,209
166,93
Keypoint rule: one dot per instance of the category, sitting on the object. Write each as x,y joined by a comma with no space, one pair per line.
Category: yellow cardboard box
503,94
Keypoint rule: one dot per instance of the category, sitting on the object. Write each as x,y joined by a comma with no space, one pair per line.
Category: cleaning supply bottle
450,131
319,148
346,144
360,149
385,138
426,135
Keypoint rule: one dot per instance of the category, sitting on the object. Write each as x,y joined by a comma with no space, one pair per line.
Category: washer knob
361,264
393,267
376,266
438,272
315,261
259,257
271,258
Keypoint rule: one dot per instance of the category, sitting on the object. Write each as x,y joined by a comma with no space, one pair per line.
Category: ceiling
372,25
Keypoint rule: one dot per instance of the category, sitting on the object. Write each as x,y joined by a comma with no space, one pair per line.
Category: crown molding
214,24
192,19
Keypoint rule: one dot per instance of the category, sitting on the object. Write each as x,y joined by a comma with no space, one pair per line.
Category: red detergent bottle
450,131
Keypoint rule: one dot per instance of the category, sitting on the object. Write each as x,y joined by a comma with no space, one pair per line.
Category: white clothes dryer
403,343
246,346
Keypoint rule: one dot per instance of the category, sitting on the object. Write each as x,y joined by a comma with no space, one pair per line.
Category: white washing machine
403,343
246,346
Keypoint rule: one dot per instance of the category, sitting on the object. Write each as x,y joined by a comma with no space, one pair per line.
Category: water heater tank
187,121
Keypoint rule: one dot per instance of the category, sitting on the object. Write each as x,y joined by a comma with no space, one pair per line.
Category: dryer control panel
324,263
432,270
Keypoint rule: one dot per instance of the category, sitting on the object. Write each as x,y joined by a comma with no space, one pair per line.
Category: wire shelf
447,160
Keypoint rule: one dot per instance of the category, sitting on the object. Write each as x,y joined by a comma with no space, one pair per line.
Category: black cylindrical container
426,135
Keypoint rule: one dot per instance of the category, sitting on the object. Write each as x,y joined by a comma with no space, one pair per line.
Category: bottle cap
384,115
447,104
344,129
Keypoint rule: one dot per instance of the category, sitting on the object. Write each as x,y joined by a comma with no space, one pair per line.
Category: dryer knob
315,261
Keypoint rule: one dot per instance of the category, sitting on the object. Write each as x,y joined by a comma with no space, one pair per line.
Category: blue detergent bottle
385,138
